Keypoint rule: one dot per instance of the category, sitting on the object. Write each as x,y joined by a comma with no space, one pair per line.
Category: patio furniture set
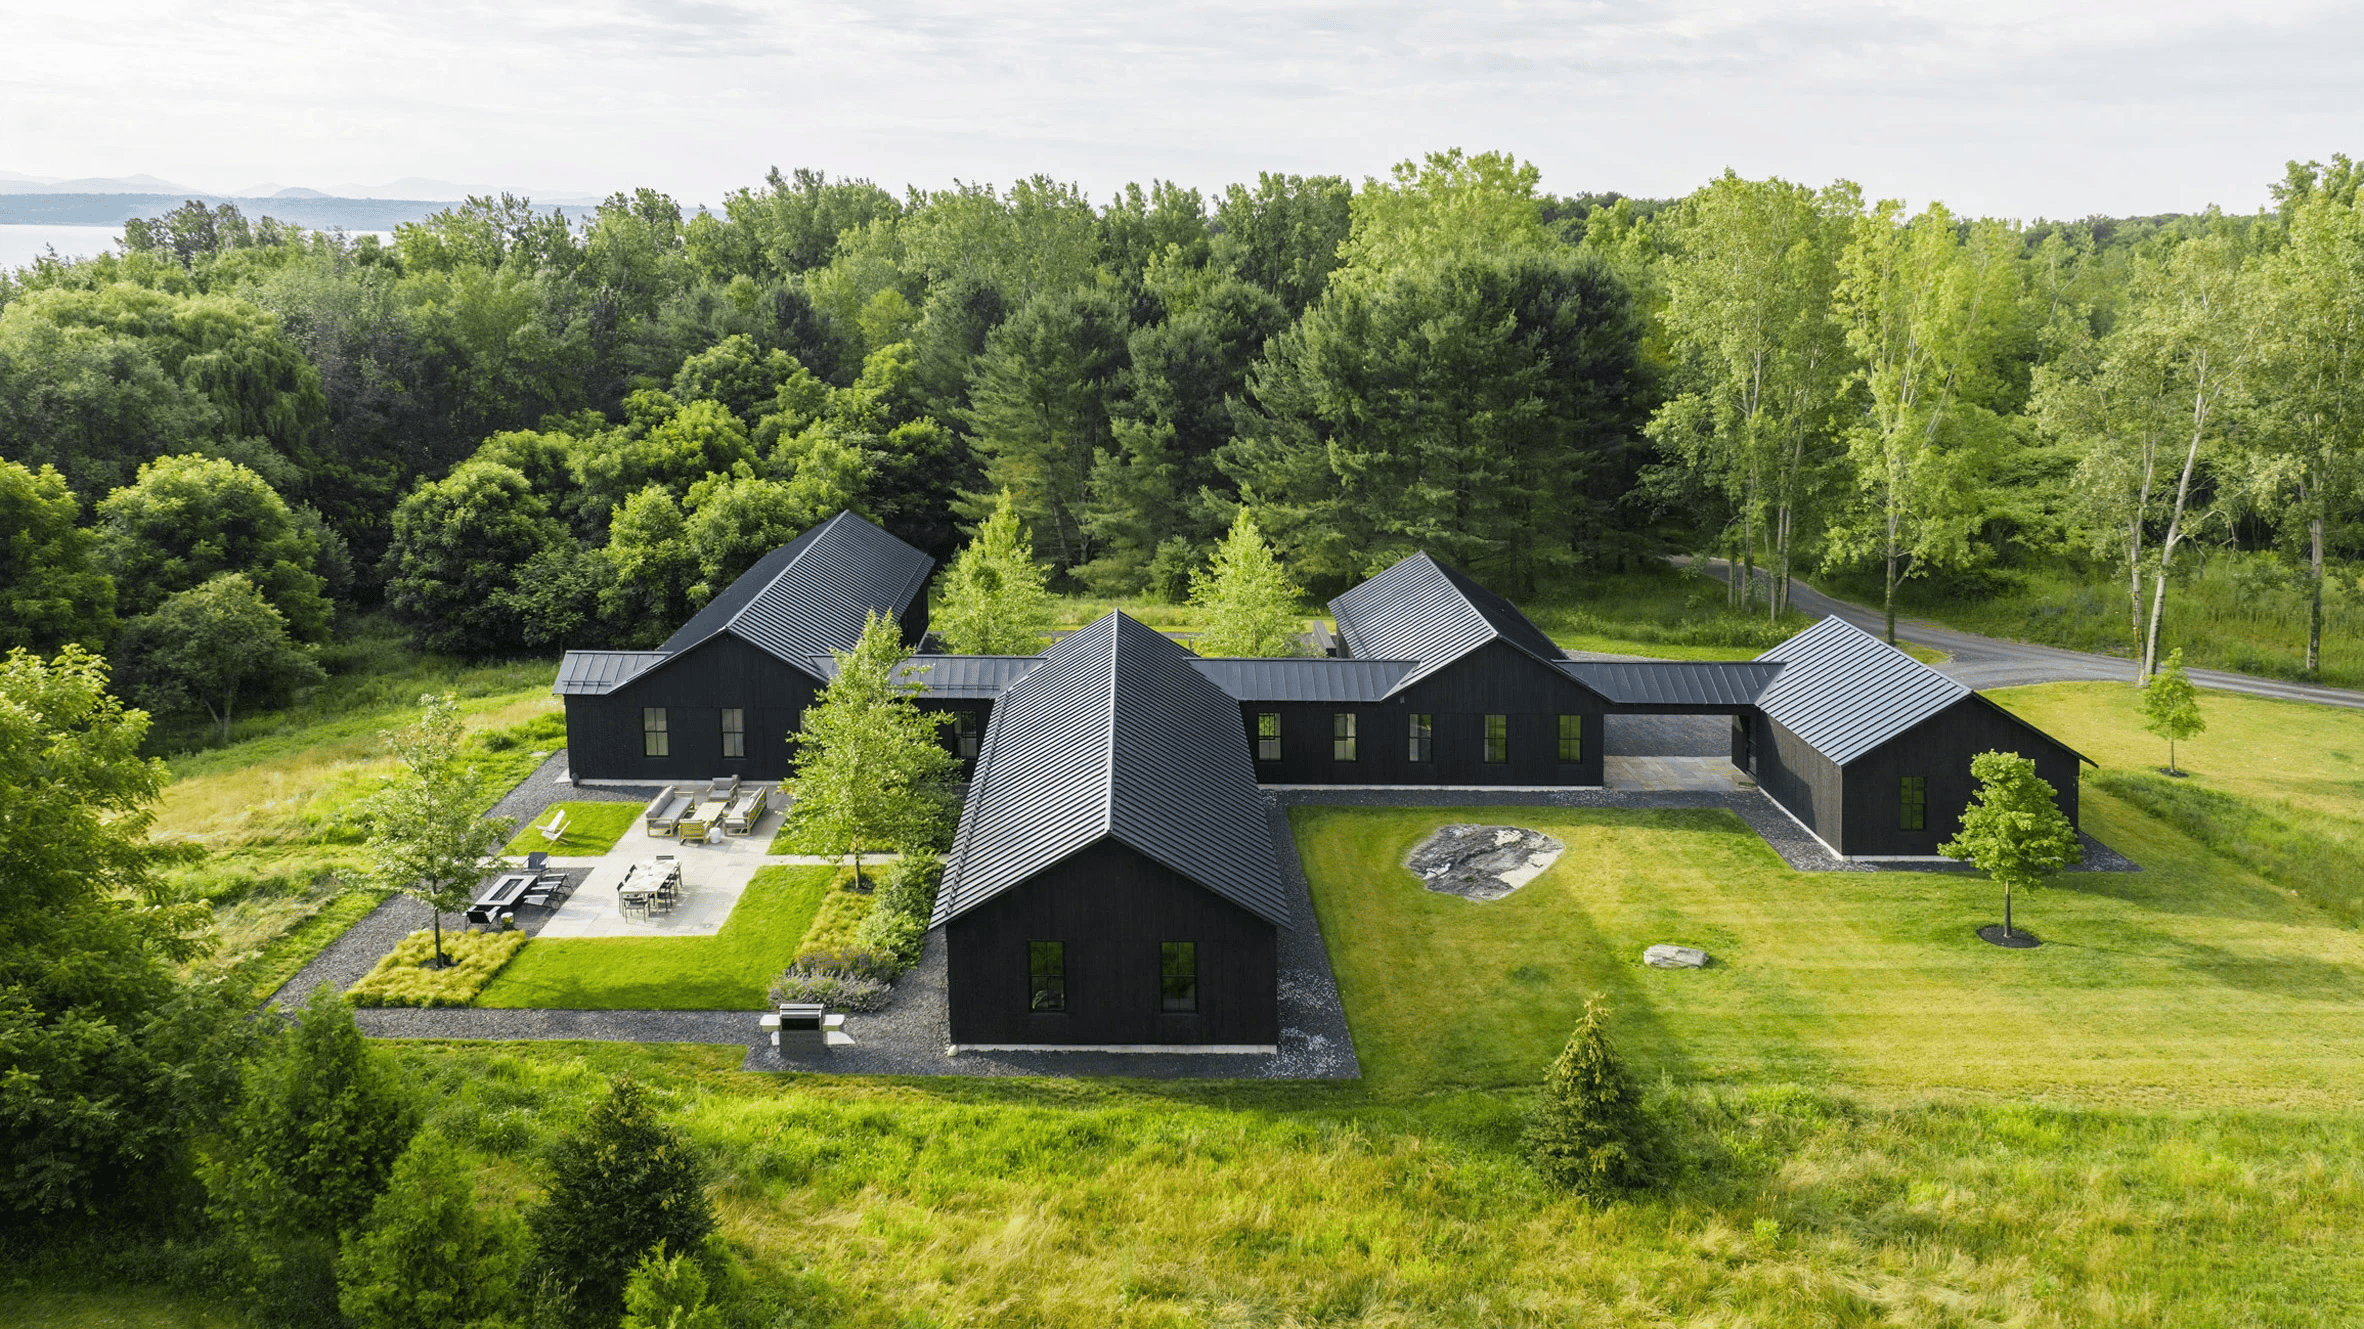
533,887
650,889
708,811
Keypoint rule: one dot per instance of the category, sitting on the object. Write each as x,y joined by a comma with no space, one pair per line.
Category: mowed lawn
2190,983
730,970
591,829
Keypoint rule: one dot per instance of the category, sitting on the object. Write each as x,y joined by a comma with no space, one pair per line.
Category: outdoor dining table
644,881
500,897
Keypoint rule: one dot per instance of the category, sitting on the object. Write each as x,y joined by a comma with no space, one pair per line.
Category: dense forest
515,433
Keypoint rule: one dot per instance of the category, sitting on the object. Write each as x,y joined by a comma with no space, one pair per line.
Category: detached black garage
1113,884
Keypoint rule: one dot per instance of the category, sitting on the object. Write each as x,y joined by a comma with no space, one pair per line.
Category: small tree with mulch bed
1589,1132
2171,706
2013,830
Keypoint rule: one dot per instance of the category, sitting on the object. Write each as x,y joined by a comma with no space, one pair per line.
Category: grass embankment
591,830
728,971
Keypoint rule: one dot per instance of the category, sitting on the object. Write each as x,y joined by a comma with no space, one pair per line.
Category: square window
1268,735
1046,975
1912,804
1423,738
1497,738
964,734
1342,736
734,732
655,741
1177,977
1571,738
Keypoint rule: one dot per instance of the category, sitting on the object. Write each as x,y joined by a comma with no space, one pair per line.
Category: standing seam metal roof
1305,678
1421,609
1114,734
963,676
1674,682
811,596
595,672
1845,692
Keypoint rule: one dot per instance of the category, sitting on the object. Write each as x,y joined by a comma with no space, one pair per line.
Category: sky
2001,107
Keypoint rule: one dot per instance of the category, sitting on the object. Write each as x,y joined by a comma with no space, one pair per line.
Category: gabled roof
1424,610
1115,735
1845,692
1674,682
594,672
963,676
811,596
1305,678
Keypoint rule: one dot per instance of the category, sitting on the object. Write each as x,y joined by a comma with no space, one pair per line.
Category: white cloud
2010,107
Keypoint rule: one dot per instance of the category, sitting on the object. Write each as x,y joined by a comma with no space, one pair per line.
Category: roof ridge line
1115,641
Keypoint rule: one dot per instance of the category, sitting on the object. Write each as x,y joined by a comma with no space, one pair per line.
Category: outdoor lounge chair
723,789
556,830
745,810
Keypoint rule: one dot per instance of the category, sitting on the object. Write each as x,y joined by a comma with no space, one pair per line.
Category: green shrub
403,978
835,989
428,1255
620,1186
668,1292
898,921
1589,1132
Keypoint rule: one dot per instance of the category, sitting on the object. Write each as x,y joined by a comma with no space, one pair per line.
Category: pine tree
1589,1132
994,602
1248,599
428,1256
668,1292
869,768
623,1184
2013,830
2171,706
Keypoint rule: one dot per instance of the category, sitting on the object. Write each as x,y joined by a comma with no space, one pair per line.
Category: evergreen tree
2013,830
668,1292
869,768
1589,1132
307,1153
2171,706
1249,602
622,1185
428,1256
994,602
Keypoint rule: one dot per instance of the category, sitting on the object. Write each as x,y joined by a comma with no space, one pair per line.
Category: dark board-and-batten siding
1112,907
1493,680
605,738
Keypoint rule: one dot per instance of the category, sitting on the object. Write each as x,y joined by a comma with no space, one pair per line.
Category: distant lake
21,244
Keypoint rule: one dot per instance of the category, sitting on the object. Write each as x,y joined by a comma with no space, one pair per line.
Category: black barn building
1113,883
1870,749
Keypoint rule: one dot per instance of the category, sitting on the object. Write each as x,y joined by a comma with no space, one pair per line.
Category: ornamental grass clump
407,976
1589,1132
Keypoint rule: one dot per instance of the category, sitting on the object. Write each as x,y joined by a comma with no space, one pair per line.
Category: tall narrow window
1912,804
654,741
1177,977
1497,738
1342,736
964,734
1571,738
1423,738
1268,735
734,732
1046,975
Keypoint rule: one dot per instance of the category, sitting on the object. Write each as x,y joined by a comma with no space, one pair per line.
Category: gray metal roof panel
1114,734
811,596
591,673
1845,692
1674,682
965,676
1305,678
1422,609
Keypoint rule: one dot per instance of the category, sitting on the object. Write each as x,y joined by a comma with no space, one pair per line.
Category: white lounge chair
556,830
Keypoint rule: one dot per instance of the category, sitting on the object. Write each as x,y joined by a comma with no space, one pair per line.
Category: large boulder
1668,956
1482,863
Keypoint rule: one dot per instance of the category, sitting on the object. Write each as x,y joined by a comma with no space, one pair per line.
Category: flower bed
404,979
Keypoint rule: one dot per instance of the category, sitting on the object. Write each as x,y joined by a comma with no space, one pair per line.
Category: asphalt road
1990,662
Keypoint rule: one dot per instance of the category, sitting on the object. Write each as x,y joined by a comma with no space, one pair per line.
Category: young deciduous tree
1588,1131
2013,829
51,588
211,645
2171,705
621,1186
868,766
1248,599
994,602
428,1256
428,835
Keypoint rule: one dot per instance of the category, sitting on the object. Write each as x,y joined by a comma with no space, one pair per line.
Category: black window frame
1912,803
1177,986
1268,736
1571,743
734,731
1046,977
1342,739
1422,737
656,732
967,737
1495,732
